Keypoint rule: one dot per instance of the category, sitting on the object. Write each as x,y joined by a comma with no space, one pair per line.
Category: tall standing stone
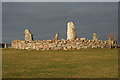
56,36
28,36
71,34
5,45
95,37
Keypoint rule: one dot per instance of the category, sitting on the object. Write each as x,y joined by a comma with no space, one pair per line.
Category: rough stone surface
95,37
71,44
28,36
71,34
59,45
56,36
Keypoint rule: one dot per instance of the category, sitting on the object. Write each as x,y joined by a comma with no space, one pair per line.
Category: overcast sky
45,19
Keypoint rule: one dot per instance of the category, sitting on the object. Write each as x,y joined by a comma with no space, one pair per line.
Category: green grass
88,63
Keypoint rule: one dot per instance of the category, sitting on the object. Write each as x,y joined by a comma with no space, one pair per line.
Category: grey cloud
48,18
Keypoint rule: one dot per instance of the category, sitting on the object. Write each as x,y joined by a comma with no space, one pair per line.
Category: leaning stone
28,36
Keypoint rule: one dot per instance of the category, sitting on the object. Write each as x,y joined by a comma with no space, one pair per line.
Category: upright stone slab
28,36
56,36
95,37
71,34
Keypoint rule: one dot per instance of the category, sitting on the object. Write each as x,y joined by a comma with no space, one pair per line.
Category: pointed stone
95,37
28,36
56,36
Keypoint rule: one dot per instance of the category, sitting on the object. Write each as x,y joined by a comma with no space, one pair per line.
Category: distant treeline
4,45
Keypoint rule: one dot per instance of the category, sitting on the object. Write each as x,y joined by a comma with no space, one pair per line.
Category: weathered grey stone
71,34
95,37
56,36
70,43
28,36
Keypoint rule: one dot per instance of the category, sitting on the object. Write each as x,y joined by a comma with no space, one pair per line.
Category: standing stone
5,45
71,34
28,36
56,36
95,37
63,40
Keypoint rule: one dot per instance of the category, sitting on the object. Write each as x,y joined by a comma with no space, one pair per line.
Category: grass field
89,63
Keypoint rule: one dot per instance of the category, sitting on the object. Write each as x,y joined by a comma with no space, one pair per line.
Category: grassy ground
89,63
